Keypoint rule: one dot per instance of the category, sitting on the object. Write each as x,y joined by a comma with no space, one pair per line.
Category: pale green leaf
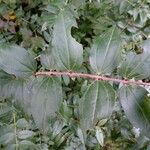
16,88
100,136
7,138
68,51
46,98
96,103
26,145
17,61
136,105
24,134
105,51
47,59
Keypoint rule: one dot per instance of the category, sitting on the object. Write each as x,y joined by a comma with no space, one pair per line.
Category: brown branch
90,76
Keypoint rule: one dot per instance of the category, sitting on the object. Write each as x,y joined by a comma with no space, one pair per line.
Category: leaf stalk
91,76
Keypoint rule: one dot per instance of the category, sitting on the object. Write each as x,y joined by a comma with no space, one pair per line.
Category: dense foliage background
105,37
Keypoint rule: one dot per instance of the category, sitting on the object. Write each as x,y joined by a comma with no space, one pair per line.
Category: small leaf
24,134
7,138
105,52
25,145
68,51
46,98
136,105
22,123
96,103
19,61
100,136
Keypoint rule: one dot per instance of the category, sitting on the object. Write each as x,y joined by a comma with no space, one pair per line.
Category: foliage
104,37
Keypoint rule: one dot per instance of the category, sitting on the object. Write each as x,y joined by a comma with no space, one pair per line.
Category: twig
90,76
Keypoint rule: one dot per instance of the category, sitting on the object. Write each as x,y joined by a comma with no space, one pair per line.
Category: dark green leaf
136,105
105,52
46,98
19,61
96,103
68,51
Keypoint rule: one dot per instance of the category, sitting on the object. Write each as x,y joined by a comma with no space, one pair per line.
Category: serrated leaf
46,98
68,51
17,61
105,52
136,65
96,103
136,105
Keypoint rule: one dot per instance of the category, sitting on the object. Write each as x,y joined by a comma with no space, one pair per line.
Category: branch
90,76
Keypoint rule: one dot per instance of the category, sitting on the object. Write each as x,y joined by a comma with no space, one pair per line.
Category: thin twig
90,76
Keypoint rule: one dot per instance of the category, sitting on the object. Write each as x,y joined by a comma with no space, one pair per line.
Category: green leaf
100,136
22,123
46,98
19,62
24,134
136,65
26,145
16,88
136,105
96,103
6,111
7,138
105,52
68,51
47,59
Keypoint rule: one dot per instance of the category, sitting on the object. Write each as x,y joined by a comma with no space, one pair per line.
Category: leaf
25,145
19,62
22,123
24,134
136,105
47,60
6,111
16,88
100,136
68,52
7,138
105,51
136,65
46,98
96,103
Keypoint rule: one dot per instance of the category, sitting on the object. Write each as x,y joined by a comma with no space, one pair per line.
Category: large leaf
136,65
68,51
17,61
136,105
16,88
105,52
47,95
96,103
